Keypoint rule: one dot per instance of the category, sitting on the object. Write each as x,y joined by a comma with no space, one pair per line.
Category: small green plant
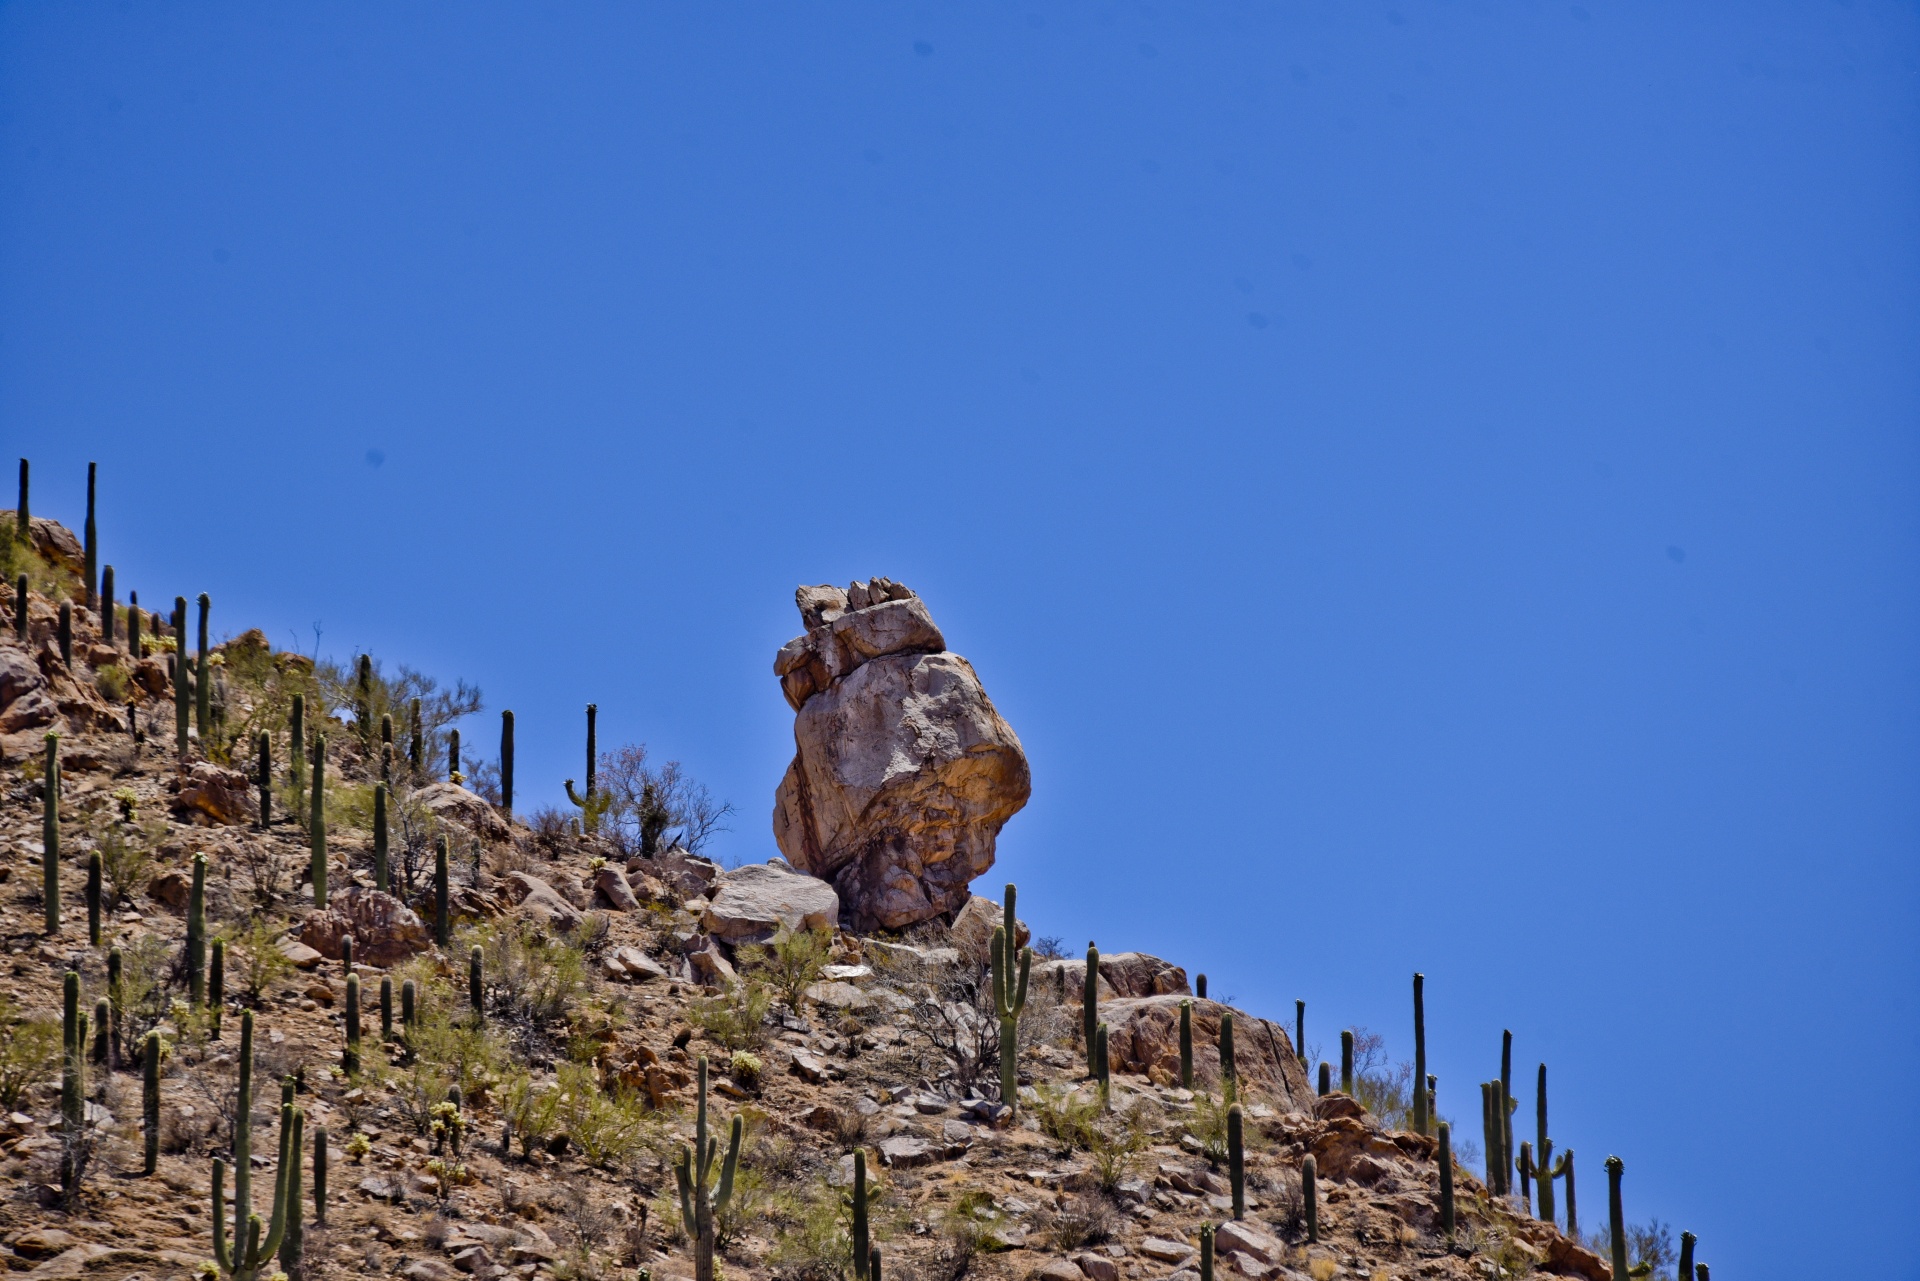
29,1052
1066,1115
745,1068
358,1145
125,854
734,1016
113,683
261,962
791,963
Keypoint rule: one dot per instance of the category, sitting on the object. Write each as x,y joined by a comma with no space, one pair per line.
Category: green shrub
29,1053
734,1016
791,963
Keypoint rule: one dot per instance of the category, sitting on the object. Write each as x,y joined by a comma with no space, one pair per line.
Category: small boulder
385,931
611,889
751,902
224,796
452,803
636,966
972,930
1237,1238
540,901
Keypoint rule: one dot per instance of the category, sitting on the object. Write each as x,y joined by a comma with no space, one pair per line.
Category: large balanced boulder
903,772
751,903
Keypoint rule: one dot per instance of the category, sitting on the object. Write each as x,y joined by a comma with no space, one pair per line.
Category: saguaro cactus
150,1101
197,933
1102,1070
1229,1074
1237,1159
1326,1078
476,988
203,678
417,740
380,837
102,1033
182,689
1446,1179
1544,1165
135,646
1300,1033
1685,1267
1090,1002
1009,999
93,899
408,1014
1573,1208
108,630
1200,986
363,703
1206,1252
216,988
858,1207
506,762
90,536
266,780
453,757
50,834
593,754
1420,1118
1346,1061
250,1252
20,609
23,523
317,820
1309,1195
1506,1110
700,1199
441,925
386,1008
73,1085
320,1175
1616,1219
1186,1045
350,1060
297,745
64,633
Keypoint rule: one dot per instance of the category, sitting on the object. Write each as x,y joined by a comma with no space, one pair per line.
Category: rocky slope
603,983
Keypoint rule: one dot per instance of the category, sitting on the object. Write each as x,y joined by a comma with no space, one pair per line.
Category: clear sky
1433,485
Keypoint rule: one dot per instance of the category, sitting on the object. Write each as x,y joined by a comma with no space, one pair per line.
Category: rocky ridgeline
514,1117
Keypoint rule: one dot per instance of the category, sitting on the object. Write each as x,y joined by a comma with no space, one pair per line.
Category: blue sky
1433,486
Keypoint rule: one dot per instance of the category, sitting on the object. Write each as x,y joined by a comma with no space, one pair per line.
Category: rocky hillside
528,1115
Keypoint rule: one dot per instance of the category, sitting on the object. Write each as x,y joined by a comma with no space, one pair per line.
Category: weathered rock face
384,930
452,803
1144,1037
752,902
904,773
218,795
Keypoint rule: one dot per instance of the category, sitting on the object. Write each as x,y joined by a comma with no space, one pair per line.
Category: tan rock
1145,1032
539,901
1097,1267
904,772
1138,974
452,803
385,931
750,903
972,929
610,888
223,795
1238,1238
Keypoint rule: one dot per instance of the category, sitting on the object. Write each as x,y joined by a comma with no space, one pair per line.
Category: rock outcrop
903,772
753,902
384,930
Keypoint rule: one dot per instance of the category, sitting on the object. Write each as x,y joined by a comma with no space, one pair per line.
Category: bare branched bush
655,807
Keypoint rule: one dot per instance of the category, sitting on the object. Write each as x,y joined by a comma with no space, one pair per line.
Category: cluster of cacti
1009,999
506,761
317,820
1186,1045
251,1251
1420,1117
701,1198
1237,1159
50,834
1495,1105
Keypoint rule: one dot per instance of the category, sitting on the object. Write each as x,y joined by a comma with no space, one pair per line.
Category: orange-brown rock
1144,1032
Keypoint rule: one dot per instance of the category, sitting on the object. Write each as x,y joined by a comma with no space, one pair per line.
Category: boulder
610,887
452,803
1066,980
1144,1033
539,901
710,966
1138,974
25,700
751,902
384,930
904,772
972,929
684,873
1238,1238
222,795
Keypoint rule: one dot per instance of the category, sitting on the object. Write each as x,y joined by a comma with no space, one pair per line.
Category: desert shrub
1049,947
466,1054
734,1016
146,977
1208,1124
255,957
745,1068
1088,1218
530,1110
29,1052
791,963
606,1125
533,978
1066,1115
1116,1143
651,808
815,1238
1286,1206
113,683
125,857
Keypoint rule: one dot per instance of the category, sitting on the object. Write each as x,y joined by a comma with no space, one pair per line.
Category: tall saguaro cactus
150,1101
506,762
1090,1002
858,1208
1545,1168
108,630
1420,1118
1446,1179
700,1198
197,933
23,523
251,1251
1616,1218
380,837
203,678
1009,999
91,537
1237,1159
50,834
317,820
265,746
1186,1045
182,691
